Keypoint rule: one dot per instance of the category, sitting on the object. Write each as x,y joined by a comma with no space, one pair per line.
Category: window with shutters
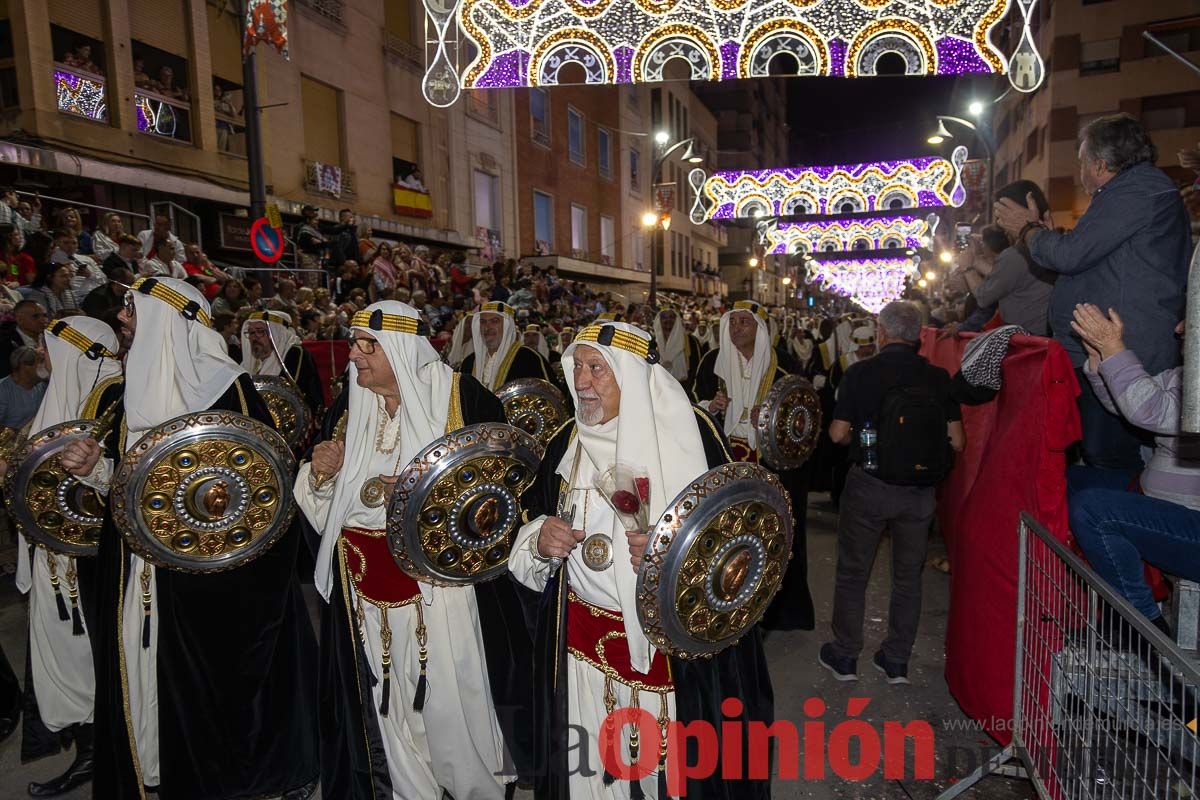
321,105
543,223
406,154
1103,55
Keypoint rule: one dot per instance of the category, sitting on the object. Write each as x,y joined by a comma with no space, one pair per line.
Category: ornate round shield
49,504
789,423
285,402
535,406
204,492
715,560
456,505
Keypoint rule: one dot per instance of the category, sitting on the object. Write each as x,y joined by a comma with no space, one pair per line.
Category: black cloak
236,668
700,685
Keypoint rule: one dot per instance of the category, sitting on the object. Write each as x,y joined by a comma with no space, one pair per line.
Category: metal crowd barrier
1104,705
303,277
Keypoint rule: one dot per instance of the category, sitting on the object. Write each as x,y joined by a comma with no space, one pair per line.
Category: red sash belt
742,451
597,636
373,571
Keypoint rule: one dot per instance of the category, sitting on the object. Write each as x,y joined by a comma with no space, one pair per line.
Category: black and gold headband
73,337
612,336
751,306
269,316
498,307
190,309
392,323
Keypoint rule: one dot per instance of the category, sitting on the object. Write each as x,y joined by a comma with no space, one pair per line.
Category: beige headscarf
283,338
655,428
743,392
673,349
425,383
179,361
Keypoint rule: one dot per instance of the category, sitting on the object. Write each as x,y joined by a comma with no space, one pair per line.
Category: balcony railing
330,9
80,93
162,116
405,50
329,179
231,134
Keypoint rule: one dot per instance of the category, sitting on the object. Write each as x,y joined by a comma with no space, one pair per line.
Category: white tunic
455,742
585,683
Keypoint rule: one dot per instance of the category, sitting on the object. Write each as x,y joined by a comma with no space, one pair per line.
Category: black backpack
914,449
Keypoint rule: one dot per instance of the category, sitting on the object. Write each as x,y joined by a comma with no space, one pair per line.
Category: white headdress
672,348
743,383
283,339
655,428
484,370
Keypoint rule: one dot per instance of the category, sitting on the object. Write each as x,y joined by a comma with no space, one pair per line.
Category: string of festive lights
842,189
870,233
872,283
80,95
528,42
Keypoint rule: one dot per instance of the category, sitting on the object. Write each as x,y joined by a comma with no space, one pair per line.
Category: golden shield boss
715,559
51,506
534,406
789,423
204,492
457,503
292,416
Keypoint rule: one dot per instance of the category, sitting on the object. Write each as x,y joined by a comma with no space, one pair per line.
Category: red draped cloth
1014,461
331,357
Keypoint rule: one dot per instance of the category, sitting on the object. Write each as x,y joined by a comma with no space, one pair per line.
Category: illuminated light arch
676,41
572,46
905,231
798,203
872,283
745,207
778,36
855,199
866,244
798,247
907,197
892,35
497,37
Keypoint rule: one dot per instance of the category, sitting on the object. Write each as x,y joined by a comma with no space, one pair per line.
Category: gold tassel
385,635
423,659
664,720
610,703
145,579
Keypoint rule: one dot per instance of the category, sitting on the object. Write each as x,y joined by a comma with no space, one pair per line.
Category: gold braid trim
77,339
91,406
454,415
174,299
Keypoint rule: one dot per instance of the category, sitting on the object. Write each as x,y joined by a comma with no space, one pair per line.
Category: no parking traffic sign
266,241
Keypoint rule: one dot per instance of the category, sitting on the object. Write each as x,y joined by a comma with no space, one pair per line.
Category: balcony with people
163,99
80,82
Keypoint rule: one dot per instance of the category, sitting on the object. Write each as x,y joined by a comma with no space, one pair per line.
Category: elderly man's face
667,320
595,387
374,369
491,328
742,329
32,319
259,335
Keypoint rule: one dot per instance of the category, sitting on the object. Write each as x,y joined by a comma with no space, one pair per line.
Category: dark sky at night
849,120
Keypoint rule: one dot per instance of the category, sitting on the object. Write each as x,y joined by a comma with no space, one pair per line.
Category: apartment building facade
120,103
1098,63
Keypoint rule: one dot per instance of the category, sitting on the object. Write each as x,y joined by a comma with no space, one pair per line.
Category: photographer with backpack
895,412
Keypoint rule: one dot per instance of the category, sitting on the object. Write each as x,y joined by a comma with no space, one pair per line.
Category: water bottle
868,448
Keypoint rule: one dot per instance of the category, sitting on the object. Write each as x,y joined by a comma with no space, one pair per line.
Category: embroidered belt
374,573
596,636
379,581
741,450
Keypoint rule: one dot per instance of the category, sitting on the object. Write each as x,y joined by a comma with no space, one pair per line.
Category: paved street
796,675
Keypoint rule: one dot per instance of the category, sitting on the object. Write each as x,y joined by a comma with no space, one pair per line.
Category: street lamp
977,109
922,283
649,219
662,139
947,257
753,262
931,275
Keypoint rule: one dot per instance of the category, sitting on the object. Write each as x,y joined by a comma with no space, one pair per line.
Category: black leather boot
80,771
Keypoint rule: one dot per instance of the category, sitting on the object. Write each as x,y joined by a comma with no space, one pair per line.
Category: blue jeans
1109,442
1118,530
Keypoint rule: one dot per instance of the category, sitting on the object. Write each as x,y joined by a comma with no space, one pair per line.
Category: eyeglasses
365,346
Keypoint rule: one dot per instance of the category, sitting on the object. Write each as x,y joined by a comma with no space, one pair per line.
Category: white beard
591,412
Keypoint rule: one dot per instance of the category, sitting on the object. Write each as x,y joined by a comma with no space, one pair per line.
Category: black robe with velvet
236,669
38,741
526,363
792,609
700,685
303,370
353,761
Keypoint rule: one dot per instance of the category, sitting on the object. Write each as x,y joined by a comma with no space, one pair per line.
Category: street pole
254,155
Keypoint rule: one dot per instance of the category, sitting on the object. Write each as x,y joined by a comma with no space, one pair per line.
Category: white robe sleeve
100,477
315,503
529,568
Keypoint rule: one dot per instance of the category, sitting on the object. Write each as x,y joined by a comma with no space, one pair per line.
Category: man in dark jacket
344,240
1129,252
26,330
